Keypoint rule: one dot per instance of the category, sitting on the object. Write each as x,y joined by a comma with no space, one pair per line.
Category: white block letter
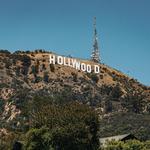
78,65
89,69
83,66
73,62
60,60
65,62
96,69
52,59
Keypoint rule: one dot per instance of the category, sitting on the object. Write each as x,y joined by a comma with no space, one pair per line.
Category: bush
38,139
93,76
52,68
116,92
4,51
46,77
6,141
75,76
8,63
1,105
26,61
128,145
38,79
17,71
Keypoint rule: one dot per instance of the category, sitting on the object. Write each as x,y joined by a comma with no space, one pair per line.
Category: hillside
24,75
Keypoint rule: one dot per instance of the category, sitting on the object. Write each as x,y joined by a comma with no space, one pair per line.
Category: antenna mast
95,52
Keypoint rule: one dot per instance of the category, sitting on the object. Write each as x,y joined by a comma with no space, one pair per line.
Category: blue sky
66,27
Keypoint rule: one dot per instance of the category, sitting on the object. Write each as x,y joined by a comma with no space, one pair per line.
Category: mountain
122,102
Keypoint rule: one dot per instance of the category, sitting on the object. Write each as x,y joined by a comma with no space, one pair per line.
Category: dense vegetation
128,145
59,126
73,126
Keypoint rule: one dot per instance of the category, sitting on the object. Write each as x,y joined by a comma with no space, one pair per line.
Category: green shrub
128,145
52,68
1,105
46,77
38,139
4,51
93,76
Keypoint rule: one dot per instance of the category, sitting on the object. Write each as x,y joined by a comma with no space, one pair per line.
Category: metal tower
95,52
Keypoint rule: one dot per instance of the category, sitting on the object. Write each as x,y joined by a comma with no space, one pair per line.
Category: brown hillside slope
24,75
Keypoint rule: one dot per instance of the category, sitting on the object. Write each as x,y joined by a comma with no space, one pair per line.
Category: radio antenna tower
95,52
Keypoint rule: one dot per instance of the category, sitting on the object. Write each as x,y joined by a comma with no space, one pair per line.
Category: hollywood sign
74,63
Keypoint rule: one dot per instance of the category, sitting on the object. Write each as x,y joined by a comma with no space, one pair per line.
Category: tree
116,92
72,126
38,139
26,61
